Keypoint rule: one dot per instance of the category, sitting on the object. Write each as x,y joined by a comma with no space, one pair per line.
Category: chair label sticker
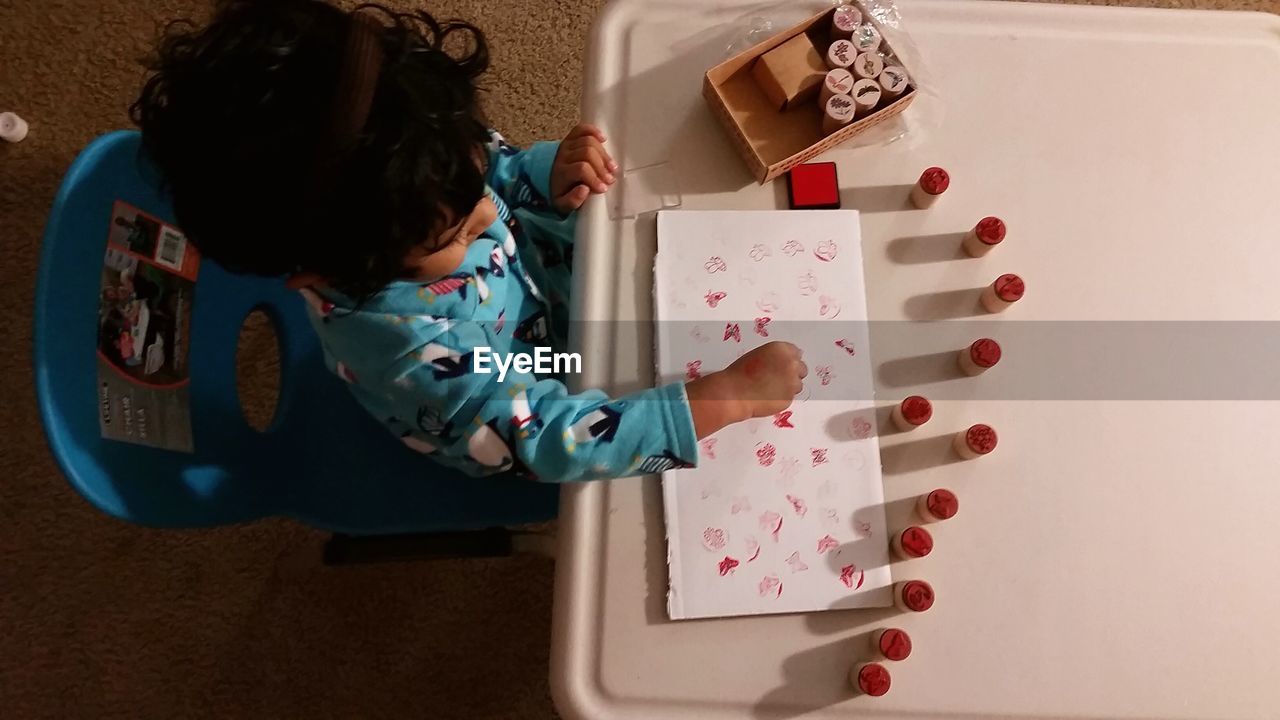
144,322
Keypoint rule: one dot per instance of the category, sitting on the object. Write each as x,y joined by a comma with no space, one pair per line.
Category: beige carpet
99,619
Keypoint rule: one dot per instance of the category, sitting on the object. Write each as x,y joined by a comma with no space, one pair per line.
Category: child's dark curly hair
236,116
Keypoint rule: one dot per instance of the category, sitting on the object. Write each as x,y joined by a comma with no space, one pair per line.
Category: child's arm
537,426
559,175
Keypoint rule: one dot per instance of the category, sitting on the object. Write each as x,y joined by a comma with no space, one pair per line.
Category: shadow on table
920,249
920,370
916,455
945,305
876,198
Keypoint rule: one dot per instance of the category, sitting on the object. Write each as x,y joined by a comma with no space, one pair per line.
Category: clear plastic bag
925,114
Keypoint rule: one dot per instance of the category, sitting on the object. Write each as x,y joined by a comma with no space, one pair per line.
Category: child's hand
761,383
581,167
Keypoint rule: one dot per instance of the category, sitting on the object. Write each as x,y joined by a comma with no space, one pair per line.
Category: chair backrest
323,460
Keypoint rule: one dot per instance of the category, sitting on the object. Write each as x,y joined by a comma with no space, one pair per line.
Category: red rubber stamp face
981,439
943,504
935,181
916,542
895,644
990,230
917,410
985,352
1009,287
917,595
873,679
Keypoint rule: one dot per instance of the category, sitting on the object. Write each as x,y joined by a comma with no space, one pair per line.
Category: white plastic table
1117,556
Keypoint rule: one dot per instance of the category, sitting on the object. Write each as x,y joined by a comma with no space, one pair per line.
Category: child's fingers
583,172
585,129
591,142
592,154
572,199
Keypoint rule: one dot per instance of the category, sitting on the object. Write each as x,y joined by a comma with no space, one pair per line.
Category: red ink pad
913,595
813,186
871,678
892,644
941,504
978,440
912,413
914,542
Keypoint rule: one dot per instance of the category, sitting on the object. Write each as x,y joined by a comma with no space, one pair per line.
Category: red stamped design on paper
760,252
863,528
753,548
824,374
713,298
830,518
768,302
792,248
709,448
693,369
852,576
826,542
859,428
766,453
770,586
798,505
762,326
731,330
740,505
795,563
828,307
826,251
783,419
771,522
819,456
727,565
714,538
808,283
715,264
847,346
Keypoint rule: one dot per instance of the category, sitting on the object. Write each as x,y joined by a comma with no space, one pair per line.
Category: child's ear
300,280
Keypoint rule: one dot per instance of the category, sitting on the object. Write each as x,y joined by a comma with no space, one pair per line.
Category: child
347,152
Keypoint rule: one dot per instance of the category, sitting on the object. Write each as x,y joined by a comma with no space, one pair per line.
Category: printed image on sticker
147,288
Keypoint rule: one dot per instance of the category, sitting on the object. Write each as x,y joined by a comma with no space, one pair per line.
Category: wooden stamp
841,54
1005,291
837,113
932,183
893,81
913,596
988,233
891,644
912,413
914,542
980,356
975,442
938,505
844,22
866,95
867,38
837,82
868,66
870,679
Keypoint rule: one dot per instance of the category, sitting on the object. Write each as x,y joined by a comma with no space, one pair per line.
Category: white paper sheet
782,514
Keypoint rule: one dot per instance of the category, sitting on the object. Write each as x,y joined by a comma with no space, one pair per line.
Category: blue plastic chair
323,461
